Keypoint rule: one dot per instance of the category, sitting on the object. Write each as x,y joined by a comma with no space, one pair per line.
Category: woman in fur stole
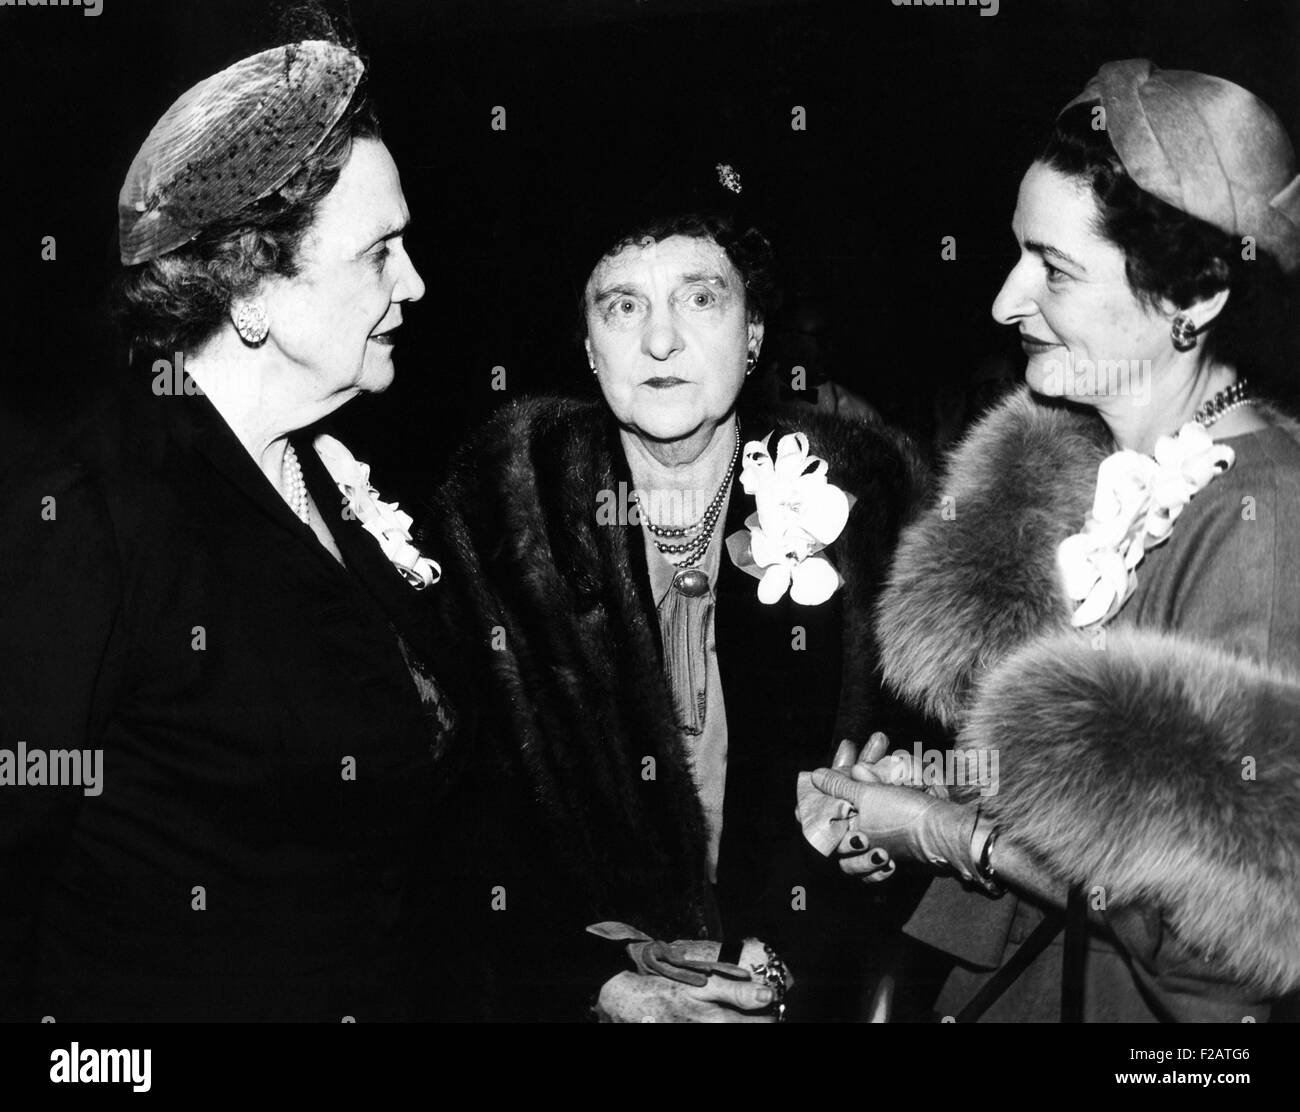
652,677
1104,604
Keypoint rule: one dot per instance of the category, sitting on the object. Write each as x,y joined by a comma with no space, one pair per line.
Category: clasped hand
886,820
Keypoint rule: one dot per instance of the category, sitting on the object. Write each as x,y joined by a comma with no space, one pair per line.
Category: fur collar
550,614
1165,773
975,576
1121,769
557,631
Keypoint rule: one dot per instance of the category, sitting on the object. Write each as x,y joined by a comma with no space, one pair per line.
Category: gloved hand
825,821
908,824
877,763
684,982
690,961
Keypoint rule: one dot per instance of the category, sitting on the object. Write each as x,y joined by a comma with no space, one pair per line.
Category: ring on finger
772,973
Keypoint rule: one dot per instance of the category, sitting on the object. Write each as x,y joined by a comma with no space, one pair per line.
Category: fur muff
1167,773
975,576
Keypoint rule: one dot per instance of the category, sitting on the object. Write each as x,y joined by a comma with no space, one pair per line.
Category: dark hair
1171,255
177,302
748,250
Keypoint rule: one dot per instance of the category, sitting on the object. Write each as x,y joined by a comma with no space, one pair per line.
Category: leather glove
684,982
911,825
678,961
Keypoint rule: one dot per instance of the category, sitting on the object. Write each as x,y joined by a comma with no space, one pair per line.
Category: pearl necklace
291,471
1232,396
700,533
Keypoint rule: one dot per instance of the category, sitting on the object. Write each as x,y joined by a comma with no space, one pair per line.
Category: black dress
260,846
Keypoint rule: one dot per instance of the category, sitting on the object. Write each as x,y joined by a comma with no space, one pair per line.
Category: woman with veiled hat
203,587
1106,595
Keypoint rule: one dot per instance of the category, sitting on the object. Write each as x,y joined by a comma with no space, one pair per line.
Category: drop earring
251,322
751,362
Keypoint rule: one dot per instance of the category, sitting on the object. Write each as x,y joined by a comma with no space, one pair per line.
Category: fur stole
550,620
1124,768
975,576
557,633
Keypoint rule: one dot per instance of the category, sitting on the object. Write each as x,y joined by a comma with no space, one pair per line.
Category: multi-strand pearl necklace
1231,397
291,471
696,537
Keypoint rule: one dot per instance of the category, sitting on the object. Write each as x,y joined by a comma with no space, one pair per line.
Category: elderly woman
664,601
216,703
1104,604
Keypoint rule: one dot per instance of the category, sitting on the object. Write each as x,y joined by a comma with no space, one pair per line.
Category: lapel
760,669
739,506
204,430
631,540
736,589
400,602
739,613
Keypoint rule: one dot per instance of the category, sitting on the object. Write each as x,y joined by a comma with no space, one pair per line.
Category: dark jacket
161,603
554,621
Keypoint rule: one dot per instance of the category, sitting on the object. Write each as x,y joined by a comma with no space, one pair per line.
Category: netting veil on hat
231,140
1205,146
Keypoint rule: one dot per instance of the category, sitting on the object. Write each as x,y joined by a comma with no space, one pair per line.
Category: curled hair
1172,256
748,251
178,301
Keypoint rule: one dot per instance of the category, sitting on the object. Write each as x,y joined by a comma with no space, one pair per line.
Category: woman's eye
381,256
1054,274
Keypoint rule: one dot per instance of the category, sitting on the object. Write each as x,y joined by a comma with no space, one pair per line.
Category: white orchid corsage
1138,499
382,520
798,514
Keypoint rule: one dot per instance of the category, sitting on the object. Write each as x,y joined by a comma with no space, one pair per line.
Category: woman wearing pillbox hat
1114,609
215,600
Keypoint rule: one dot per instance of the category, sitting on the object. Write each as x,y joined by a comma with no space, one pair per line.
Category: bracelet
981,851
772,973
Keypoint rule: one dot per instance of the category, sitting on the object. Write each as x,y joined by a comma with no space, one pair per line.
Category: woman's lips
1033,345
388,337
664,383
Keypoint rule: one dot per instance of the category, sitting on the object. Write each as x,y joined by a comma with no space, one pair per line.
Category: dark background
920,122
